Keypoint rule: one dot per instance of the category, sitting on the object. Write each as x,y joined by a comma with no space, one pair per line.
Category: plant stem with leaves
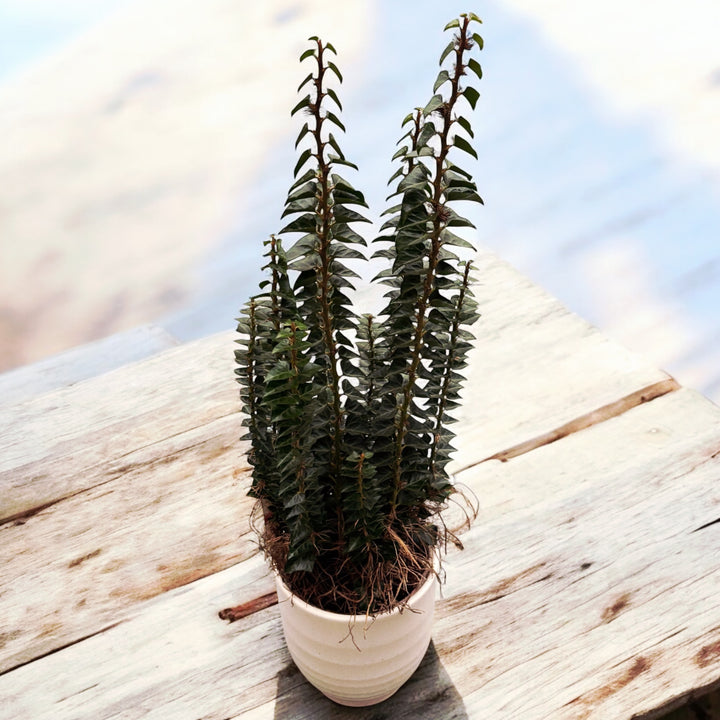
347,414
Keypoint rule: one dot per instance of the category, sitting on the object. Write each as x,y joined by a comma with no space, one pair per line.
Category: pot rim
330,616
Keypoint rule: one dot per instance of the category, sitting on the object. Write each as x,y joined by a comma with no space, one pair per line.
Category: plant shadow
428,695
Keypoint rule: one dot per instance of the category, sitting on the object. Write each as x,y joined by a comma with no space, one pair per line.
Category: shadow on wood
429,694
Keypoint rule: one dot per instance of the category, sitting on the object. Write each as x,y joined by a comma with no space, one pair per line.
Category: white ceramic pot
385,653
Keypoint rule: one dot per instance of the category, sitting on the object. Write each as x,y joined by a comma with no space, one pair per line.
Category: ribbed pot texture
358,661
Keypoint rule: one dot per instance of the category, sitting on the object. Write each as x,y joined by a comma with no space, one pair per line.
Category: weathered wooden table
589,586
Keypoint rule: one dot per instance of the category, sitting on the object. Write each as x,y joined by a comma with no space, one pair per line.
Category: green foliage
348,416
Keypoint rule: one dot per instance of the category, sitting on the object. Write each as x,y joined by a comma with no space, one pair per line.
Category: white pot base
391,646
364,702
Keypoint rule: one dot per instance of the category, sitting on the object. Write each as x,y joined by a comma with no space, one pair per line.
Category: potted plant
348,415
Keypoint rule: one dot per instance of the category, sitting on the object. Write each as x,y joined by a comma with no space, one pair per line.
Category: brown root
458,515
340,584
377,582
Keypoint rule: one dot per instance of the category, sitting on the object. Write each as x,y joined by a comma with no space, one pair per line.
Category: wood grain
160,518
600,601
602,597
60,443
536,367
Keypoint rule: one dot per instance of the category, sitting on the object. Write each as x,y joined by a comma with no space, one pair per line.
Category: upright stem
435,244
296,436
324,233
372,362
447,371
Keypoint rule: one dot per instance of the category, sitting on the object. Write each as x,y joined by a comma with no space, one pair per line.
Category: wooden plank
537,367
501,493
602,601
60,443
607,601
83,362
175,636
155,519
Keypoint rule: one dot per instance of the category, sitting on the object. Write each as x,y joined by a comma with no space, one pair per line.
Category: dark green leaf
463,144
445,254
436,101
341,271
384,253
334,96
305,102
408,134
343,192
309,175
458,221
344,233
306,80
345,215
456,169
334,68
308,53
343,251
450,47
281,371
463,194
396,174
305,130
400,153
304,223
390,210
428,130
478,39
417,177
474,65
471,95
341,161
442,78
304,245
465,125
340,182
304,157
391,223
333,119
451,238
335,146
309,262
307,190
300,205
344,197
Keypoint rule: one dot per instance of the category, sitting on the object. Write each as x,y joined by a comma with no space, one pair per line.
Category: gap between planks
62,647
21,517
594,417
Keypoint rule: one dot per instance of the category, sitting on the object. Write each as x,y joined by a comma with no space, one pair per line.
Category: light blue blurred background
148,149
